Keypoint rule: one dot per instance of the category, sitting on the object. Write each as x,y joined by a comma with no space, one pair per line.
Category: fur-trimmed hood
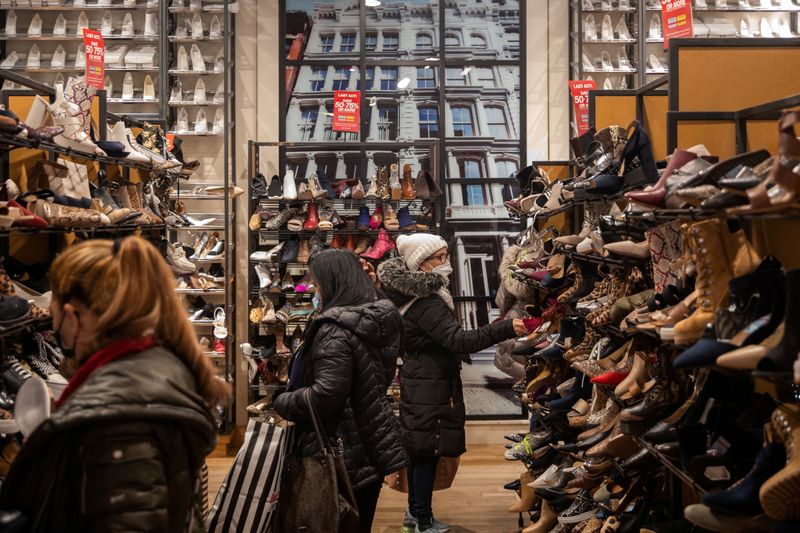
396,276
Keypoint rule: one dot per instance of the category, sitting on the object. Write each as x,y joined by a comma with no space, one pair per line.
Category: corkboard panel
779,238
719,137
614,110
733,78
654,117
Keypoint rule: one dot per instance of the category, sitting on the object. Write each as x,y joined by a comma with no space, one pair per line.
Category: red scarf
113,351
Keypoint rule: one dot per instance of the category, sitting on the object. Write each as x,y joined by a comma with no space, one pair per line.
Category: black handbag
316,495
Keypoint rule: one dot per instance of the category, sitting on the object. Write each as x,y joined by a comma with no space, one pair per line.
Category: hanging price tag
347,111
95,52
579,89
676,19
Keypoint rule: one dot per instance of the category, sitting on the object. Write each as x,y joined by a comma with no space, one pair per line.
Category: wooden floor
476,503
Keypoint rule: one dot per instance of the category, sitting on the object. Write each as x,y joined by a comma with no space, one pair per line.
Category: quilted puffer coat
348,360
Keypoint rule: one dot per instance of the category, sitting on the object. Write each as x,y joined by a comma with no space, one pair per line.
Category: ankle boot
719,255
383,184
426,186
405,220
780,493
782,357
363,218
547,520
312,219
408,192
376,219
351,243
527,499
315,187
372,191
395,190
338,241
289,186
382,246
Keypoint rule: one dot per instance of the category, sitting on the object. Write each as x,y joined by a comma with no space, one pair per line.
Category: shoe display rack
620,44
290,221
661,370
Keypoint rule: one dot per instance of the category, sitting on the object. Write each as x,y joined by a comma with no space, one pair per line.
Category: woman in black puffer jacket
431,399
347,361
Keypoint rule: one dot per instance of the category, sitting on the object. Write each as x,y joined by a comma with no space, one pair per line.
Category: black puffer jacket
348,359
121,454
431,398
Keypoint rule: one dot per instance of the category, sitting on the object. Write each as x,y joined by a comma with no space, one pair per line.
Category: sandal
257,312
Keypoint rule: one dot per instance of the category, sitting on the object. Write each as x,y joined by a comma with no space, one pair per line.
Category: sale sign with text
95,58
347,111
676,19
579,89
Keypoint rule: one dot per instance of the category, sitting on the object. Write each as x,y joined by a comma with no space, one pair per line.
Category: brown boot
528,496
780,493
546,522
719,256
408,184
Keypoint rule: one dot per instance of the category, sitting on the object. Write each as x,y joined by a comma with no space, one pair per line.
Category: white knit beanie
416,248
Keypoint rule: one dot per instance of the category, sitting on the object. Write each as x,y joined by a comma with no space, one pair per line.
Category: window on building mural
391,41
318,75
456,77
387,122
348,42
496,120
451,39
298,166
424,41
428,122
473,194
478,41
507,168
485,76
369,74
308,121
462,122
326,165
388,79
326,42
426,78
371,42
341,78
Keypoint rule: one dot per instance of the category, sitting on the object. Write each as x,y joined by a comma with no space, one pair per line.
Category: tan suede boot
546,522
719,255
528,497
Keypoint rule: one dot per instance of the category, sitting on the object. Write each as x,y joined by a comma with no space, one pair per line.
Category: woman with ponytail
125,444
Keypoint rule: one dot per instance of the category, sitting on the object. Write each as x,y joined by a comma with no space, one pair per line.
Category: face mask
443,270
68,352
316,301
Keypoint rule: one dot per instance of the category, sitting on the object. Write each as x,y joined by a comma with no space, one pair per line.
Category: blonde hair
128,286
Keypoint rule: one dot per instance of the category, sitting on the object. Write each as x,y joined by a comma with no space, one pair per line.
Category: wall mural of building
481,123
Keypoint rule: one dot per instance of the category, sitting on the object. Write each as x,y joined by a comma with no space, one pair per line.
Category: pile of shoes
662,346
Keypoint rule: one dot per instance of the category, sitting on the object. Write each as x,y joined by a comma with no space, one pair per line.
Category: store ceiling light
466,71
372,3
402,84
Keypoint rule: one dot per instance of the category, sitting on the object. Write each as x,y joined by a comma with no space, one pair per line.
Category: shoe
363,218
547,520
176,257
589,30
11,23
605,60
376,220
405,220
108,85
289,186
176,95
127,87
127,26
410,521
34,57
183,60
778,493
528,498
197,26
395,189
200,91
214,31
35,27
200,122
150,24
312,219
426,186
655,27
621,30
704,517
383,245
198,63
766,30
182,122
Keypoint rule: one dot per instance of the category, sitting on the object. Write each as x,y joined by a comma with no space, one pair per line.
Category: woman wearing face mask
124,446
346,363
431,400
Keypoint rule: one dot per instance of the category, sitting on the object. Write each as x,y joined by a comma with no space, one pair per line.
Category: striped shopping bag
247,500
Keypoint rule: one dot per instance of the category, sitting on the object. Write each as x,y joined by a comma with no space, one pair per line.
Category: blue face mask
316,301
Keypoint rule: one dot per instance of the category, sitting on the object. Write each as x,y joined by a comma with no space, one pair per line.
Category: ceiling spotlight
372,3
402,84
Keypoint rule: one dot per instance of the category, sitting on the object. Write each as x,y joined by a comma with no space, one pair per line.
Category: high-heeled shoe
376,220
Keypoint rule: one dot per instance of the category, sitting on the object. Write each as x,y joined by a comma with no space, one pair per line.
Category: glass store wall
450,73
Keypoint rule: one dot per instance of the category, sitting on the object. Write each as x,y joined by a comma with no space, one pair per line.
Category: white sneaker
622,30
150,24
108,86
149,92
83,23
200,122
183,59
10,60
35,27
589,29
106,27
766,30
655,27
59,58
624,62
11,23
197,26
80,57
214,31
176,95
219,94
127,87
127,25
607,86
200,91
219,122
34,57
183,29
606,62
198,63
182,124
607,32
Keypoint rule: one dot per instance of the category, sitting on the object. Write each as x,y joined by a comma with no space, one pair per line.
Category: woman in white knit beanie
431,399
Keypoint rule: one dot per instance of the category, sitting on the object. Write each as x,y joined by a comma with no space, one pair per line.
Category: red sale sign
95,53
347,111
676,19
579,89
